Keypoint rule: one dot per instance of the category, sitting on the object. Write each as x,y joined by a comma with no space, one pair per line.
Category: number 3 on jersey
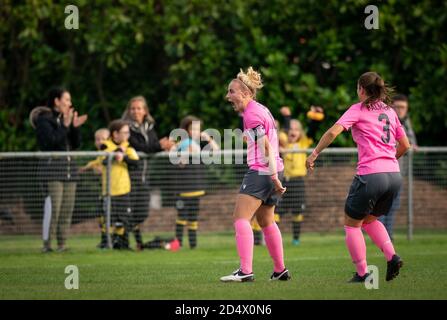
386,127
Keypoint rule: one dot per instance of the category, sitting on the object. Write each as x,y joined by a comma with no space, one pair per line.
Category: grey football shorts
261,186
372,194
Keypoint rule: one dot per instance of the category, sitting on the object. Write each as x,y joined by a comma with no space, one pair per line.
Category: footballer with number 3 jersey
261,187
376,130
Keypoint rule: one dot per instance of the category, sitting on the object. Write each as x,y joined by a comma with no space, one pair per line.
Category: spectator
143,138
400,104
120,183
101,135
190,185
294,200
57,129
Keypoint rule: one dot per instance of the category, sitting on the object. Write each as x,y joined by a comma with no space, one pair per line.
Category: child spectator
96,165
190,186
101,135
294,200
120,184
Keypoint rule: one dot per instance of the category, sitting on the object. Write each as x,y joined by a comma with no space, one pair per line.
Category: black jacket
143,138
52,135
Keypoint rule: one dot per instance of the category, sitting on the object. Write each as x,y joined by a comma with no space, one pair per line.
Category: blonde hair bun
251,79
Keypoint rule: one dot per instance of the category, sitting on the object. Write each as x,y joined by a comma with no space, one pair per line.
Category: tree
182,54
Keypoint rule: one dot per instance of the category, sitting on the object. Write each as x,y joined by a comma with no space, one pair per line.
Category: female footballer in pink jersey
376,129
261,186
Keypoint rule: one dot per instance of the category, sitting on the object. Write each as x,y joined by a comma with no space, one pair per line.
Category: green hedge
182,54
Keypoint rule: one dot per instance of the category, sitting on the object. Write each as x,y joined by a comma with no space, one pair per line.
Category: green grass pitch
320,267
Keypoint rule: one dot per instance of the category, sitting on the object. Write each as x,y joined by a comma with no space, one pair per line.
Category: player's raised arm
328,137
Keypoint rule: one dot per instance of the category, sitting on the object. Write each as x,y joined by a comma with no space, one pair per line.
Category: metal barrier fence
25,182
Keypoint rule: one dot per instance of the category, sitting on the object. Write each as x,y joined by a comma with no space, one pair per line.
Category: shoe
47,250
281,276
393,266
120,242
359,279
140,247
103,244
238,276
62,249
173,245
296,242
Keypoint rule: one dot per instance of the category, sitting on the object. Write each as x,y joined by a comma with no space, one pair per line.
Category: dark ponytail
376,89
55,92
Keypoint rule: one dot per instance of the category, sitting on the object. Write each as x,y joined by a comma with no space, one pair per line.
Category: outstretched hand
78,120
166,144
285,111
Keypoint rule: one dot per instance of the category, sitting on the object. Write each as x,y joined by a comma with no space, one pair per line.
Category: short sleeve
350,117
256,132
254,126
252,120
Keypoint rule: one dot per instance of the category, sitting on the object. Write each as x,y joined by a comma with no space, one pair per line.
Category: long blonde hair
126,115
250,79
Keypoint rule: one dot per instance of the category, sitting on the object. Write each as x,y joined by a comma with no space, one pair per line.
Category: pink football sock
273,241
244,243
378,234
357,248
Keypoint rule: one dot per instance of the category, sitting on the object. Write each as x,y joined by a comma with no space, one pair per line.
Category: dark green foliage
181,55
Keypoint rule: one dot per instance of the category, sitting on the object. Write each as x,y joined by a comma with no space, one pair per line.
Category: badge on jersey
256,133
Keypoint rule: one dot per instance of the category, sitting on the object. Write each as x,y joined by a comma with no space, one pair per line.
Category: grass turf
320,267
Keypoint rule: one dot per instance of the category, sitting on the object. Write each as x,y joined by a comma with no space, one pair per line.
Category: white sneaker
238,276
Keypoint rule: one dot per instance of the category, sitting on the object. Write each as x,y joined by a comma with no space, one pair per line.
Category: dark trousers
187,215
